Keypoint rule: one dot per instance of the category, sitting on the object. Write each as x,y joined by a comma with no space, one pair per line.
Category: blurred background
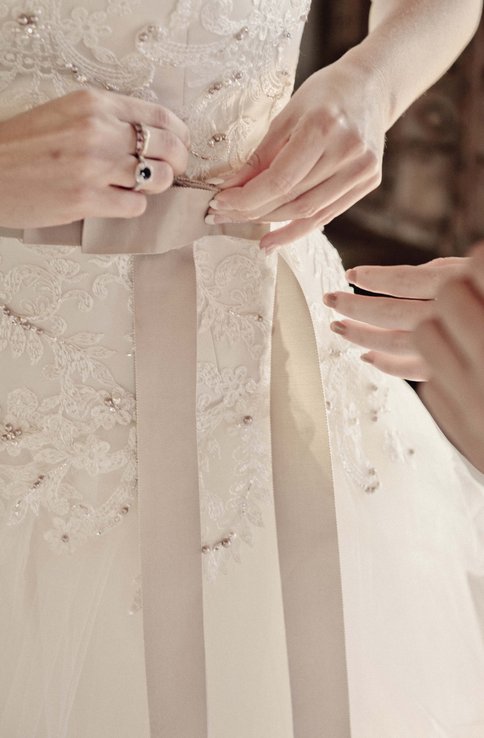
431,200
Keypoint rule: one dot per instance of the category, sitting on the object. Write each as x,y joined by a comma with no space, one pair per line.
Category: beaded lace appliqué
355,394
44,54
80,426
234,287
242,75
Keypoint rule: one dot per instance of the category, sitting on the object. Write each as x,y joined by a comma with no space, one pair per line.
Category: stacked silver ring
143,172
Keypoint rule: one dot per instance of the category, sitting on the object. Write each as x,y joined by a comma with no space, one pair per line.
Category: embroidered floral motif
235,283
242,73
67,434
44,54
355,394
57,437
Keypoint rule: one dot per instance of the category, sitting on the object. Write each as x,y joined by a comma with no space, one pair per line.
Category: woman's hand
452,344
73,158
322,154
385,325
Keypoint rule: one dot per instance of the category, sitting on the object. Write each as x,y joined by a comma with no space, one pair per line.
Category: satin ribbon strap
166,345
171,220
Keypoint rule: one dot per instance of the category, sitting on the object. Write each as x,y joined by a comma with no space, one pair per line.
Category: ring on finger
142,134
143,173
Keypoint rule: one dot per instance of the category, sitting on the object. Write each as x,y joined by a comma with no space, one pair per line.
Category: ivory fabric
409,515
306,519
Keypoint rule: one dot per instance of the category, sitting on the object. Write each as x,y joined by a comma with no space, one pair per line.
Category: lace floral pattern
71,418
68,420
67,426
45,54
234,282
356,395
239,74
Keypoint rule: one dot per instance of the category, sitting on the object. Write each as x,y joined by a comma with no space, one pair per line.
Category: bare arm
412,43
324,151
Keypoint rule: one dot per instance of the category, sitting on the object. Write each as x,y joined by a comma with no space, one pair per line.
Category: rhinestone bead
143,36
124,510
371,488
206,549
65,538
241,34
248,420
38,481
226,542
217,138
23,19
216,87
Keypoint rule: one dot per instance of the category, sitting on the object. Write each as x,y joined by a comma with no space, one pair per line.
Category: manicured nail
215,181
211,219
338,327
350,275
367,359
214,204
330,299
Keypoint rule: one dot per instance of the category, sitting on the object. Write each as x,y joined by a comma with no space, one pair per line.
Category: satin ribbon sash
169,508
171,221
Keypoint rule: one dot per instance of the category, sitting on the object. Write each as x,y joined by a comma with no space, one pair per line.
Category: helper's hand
73,158
385,325
452,344
322,154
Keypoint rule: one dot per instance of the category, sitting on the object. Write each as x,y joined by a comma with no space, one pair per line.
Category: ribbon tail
306,522
165,363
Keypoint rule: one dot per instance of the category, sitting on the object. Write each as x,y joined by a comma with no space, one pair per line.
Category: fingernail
215,181
211,219
350,275
330,299
338,327
367,359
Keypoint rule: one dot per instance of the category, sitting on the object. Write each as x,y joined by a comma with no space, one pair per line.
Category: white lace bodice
67,405
225,67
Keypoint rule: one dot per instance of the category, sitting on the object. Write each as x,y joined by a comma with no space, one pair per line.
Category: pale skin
82,146
433,333
384,325
452,344
324,151
321,154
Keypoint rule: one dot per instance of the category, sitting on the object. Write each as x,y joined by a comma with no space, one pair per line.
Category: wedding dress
304,556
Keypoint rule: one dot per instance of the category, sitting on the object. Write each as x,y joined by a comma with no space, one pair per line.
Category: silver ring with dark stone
143,174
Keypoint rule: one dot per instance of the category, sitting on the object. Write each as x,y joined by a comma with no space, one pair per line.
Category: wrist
372,80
